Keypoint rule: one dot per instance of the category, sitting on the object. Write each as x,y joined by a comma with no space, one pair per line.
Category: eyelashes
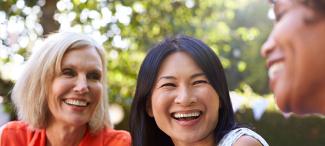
195,83
200,82
94,76
278,16
70,73
168,85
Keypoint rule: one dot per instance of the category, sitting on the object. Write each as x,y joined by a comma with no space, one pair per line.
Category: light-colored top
17,133
230,138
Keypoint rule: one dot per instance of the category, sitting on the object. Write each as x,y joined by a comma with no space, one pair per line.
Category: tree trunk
47,20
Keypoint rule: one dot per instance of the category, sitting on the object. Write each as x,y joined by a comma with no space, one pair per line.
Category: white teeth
274,69
187,115
76,102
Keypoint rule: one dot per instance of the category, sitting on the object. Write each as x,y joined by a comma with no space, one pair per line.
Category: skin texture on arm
247,141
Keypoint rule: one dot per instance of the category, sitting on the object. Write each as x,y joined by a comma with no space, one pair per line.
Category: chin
282,96
288,105
283,106
283,101
189,139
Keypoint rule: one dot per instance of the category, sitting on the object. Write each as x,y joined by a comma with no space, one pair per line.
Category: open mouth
186,116
274,69
75,102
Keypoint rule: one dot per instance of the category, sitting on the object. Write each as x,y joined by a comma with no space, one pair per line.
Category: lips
186,116
275,69
276,65
76,102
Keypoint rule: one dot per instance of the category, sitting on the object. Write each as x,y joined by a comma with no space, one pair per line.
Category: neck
319,101
206,141
313,103
58,134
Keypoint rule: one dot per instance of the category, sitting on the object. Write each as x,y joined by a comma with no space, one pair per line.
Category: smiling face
295,57
183,103
77,89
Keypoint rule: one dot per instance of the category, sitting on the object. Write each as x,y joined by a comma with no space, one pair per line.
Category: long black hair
144,130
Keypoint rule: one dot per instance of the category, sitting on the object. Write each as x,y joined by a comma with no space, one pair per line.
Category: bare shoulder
246,140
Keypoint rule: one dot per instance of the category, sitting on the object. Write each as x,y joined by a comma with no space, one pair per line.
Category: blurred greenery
278,130
127,28
235,30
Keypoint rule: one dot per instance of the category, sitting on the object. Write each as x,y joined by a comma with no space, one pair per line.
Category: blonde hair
31,89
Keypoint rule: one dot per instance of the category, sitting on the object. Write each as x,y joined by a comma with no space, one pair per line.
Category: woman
182,98
61,97
295,56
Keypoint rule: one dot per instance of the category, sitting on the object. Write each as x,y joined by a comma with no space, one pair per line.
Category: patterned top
230,138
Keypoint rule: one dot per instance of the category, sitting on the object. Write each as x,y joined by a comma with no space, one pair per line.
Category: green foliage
278,130
122,72
228,26
234,30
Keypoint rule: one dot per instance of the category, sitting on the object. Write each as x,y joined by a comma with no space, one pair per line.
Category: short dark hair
316,5
143,128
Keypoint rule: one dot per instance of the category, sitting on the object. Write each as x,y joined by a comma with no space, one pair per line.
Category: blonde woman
61,97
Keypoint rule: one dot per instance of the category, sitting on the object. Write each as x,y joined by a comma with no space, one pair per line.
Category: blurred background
235,29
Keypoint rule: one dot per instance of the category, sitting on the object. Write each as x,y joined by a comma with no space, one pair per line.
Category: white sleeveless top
230,138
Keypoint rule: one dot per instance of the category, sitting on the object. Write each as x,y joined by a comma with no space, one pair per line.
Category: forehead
83,55
179,61
86,50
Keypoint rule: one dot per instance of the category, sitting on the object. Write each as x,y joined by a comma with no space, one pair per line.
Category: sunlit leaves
129,28
248,34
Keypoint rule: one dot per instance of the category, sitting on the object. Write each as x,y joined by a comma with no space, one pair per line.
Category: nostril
81,87
81,90
185,100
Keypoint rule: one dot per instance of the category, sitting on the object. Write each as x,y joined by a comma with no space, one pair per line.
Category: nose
81,85
185,97
268,47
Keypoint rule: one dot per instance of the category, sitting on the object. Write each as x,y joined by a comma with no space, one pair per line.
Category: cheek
58,87
159,103
210,98
213,102
97,90
213,105
289,24
155,106
56,90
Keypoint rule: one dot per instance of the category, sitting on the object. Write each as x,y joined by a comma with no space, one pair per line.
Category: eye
278,16
94,76
279,13
68,72
168,85
197,82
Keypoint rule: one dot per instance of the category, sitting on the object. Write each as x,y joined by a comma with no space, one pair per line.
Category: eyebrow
64,66
174,78
167,78
197,75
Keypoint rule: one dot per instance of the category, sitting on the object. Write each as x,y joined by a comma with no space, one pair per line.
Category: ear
149,108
